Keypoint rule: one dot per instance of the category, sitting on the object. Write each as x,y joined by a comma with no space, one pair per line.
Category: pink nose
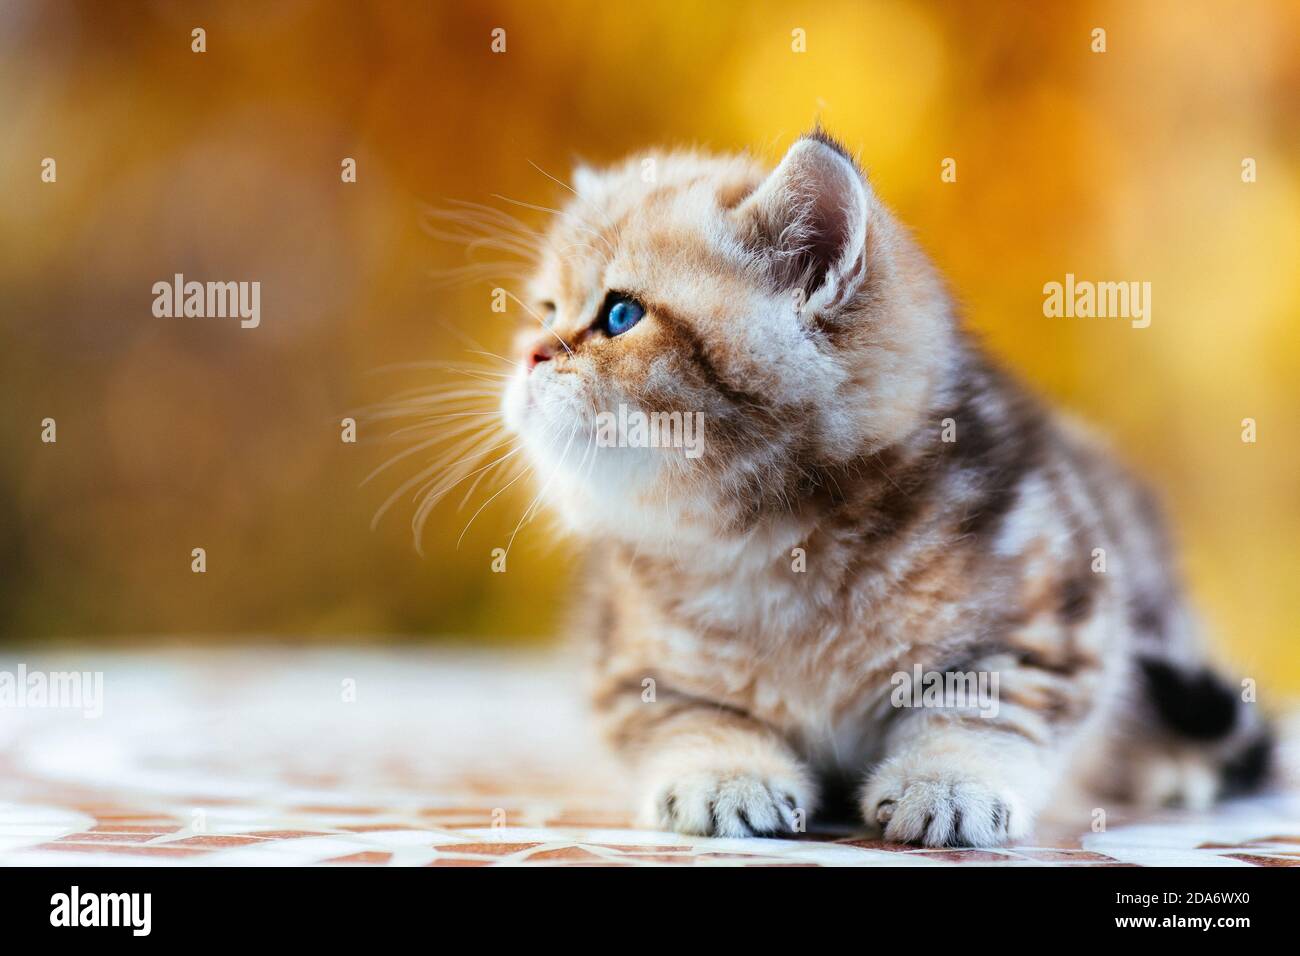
538,353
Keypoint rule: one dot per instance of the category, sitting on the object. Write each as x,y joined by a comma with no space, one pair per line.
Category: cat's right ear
807,222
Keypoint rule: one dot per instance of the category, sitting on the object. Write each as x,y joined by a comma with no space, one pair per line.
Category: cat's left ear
808,223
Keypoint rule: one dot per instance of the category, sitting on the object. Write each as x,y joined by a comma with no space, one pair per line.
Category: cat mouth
538,404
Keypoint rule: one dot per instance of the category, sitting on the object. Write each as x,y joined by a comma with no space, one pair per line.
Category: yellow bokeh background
175,434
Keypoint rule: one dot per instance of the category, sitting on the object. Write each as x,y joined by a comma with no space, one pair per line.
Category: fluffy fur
791,309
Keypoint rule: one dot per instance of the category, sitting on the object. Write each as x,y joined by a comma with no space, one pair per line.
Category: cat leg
707,769
978,775
948,785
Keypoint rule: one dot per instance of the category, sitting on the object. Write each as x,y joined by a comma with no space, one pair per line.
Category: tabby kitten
873,496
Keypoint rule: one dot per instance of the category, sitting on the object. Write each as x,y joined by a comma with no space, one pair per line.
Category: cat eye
621,312
548,313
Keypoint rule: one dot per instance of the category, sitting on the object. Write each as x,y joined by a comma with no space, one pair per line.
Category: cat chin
545,418
620,495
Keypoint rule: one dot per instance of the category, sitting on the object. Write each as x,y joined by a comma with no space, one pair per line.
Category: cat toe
940,812
729,805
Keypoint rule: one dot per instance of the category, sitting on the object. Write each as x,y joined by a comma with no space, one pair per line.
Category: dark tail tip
1194,704
1199,705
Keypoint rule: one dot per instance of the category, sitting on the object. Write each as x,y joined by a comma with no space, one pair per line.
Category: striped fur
793,312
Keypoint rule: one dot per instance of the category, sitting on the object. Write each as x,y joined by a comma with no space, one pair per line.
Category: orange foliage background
174,434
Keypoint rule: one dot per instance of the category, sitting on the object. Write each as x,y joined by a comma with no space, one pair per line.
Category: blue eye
621,314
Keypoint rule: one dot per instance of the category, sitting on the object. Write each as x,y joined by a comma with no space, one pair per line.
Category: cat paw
729,804
938,808
1189,781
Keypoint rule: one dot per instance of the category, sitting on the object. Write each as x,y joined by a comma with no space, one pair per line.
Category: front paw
935,806
729,804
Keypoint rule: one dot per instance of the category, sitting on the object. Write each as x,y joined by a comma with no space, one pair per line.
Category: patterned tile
251,757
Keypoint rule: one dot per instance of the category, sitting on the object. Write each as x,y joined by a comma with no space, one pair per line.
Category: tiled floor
251,757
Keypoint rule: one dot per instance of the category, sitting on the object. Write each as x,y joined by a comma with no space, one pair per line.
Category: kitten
872,495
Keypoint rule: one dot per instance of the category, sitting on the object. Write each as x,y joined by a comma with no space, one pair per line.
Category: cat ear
808,222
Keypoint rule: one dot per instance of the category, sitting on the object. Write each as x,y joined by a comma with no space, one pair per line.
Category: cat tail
1204,716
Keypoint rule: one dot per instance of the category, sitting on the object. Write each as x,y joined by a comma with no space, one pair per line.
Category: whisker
434,364
565,213
546,485
469,492
438,493
439,439
540,320
421,410
461,427
494,355
488,502
586,202
528,205
421,476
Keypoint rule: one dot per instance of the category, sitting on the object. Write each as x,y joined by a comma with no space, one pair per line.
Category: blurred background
183,433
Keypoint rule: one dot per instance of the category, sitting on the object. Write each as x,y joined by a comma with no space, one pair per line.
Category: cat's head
712,336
